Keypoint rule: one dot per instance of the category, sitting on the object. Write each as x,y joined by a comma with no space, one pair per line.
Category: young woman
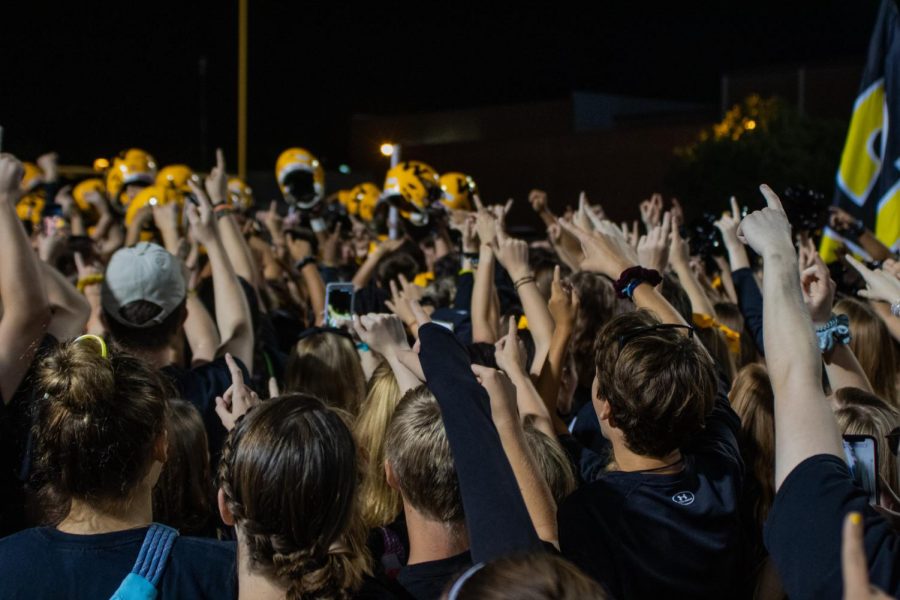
288,482
100,447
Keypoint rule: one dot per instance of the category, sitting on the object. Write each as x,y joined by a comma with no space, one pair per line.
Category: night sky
87,81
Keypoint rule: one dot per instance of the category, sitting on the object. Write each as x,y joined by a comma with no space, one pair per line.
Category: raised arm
606,251
563,306
385,335
232,239
496,516
679,258
841,366
513,255
535,490
805,422
26,310
510,355
232,309
70,310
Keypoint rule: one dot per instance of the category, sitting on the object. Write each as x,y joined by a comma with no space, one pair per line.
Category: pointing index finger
772,198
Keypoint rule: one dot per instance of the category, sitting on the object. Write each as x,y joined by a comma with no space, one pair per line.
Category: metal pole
242,89
395,156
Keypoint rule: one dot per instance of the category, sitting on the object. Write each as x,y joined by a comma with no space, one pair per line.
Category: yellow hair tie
732,337
94,339
523,322
89,280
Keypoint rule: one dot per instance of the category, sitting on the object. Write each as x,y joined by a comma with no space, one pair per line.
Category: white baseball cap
147,272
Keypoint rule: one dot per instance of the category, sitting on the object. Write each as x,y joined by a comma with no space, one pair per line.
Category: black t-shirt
427,581
47,563
804,528
646,535
200,386
16,445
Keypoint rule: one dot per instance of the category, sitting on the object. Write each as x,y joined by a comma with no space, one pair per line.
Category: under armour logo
683,498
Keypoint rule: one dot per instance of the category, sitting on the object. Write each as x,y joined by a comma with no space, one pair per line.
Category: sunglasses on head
639,331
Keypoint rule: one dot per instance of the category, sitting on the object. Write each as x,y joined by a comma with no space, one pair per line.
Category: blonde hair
551,460
874,348
419,454
862,413
380,502
326,365
753,400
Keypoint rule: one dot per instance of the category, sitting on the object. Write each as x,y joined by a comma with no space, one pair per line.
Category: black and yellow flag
868,179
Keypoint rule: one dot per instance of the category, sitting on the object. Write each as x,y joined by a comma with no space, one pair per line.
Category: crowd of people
591,411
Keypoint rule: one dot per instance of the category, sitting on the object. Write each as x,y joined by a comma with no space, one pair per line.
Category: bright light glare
750,124
387,149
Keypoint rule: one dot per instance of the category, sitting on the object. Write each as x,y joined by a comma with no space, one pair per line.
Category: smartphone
338,304
861,452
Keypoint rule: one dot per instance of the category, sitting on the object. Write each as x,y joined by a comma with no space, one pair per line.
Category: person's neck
86,519
431,540
628,461
155,357
254,585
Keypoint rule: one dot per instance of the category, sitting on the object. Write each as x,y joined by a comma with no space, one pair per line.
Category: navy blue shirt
47,563
427,581
200,386
804,527
645,535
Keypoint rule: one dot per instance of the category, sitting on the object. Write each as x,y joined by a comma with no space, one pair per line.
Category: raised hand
653,248
201,217
486,226
818,290
729,224
217,182
331,247
651,211
238,398
538,200
10,178
767,231
513,255
510,352
605,251
880,285
383,333
564,302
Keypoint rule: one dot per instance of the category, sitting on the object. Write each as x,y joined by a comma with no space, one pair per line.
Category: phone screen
861,452
338,304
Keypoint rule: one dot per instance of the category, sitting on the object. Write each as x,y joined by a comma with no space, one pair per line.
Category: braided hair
290,477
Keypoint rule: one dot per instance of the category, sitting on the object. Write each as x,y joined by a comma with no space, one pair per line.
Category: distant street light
387,149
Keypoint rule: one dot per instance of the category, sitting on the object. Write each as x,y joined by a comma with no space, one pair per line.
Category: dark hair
395,264
660,385
538,576
598,305
672,290
96,423
183,496
140,338
290,479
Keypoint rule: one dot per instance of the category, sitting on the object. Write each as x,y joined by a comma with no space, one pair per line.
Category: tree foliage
759,140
